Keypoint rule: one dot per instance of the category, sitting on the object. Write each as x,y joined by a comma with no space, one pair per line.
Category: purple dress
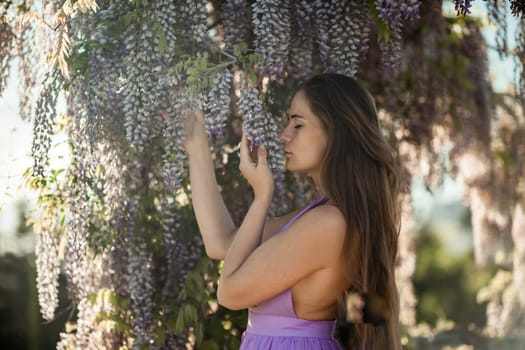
273,324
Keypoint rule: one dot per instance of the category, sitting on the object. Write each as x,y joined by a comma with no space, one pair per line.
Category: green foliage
446,285
383,30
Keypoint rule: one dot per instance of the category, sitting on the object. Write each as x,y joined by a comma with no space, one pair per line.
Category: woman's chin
290,167
294,168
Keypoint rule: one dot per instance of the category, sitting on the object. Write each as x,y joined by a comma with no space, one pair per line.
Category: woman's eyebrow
296,116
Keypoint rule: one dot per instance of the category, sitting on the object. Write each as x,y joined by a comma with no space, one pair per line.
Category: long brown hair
359,173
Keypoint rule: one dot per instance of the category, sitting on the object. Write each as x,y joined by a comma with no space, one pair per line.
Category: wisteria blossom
236,22
272,32
462,6
218,103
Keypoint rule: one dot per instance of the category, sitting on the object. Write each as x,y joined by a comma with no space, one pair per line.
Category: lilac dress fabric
273,324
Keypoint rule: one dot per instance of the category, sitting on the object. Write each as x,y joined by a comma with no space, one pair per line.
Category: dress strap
315,203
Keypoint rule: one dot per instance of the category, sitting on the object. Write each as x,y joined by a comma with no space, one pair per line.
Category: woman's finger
198,115
262,156
188,123
244,151
191,121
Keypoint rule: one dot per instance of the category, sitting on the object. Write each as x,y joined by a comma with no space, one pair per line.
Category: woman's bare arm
214,220
310,244
251,231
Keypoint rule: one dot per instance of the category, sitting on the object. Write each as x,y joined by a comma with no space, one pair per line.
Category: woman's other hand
354,308
365,308
194,131
256,171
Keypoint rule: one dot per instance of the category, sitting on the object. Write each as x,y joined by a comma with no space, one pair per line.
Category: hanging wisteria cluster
6,47
301,40
271,20
173,155
517,7
498,14
393,13
262,130
339,39
236,28
219,103
48,265
462,6
118,222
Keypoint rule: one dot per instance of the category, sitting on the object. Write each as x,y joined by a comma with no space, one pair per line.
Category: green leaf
238,49
190,314
179,323
383,31
199,333
92,298
163,41
128,17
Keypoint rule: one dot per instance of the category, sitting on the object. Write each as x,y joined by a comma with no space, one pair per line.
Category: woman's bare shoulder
275,223
326,218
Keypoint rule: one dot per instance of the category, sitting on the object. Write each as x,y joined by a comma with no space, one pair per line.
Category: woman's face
305,140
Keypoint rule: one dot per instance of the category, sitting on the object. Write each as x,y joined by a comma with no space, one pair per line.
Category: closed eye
297,126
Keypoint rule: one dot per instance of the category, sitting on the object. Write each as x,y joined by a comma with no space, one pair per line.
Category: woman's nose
283,136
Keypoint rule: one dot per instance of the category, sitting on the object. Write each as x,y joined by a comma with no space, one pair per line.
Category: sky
15,147
15,158
16,135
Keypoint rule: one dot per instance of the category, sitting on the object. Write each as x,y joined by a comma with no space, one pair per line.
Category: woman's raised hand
194,131
256,171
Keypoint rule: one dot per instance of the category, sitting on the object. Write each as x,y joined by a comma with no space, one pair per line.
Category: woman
292,272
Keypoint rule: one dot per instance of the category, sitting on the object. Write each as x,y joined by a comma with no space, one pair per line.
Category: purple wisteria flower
196,16
271,20
174,156
392,12
6,48
276,161
517,8
322,22
462,6
43,123
497,12
141,289
251,109
262,130
235,22
302,39
218,106
342,34
300,58
47,269
391,52
304,14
